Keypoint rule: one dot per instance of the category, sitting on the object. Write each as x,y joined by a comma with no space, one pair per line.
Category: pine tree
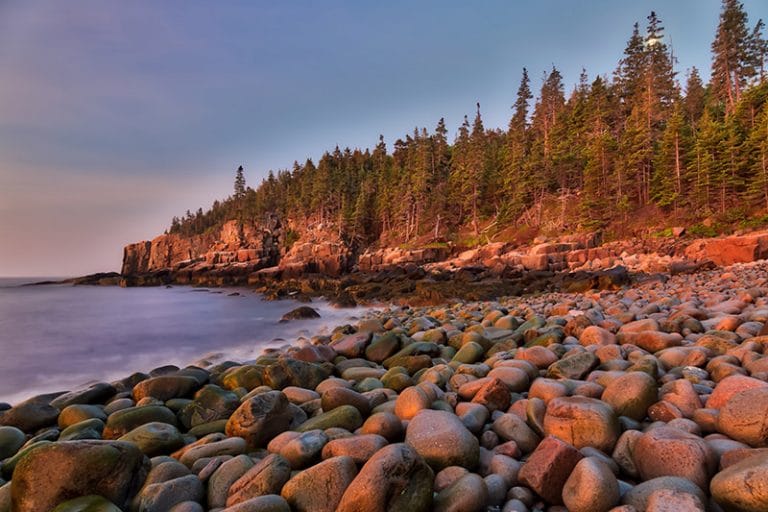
599,154
695,96
758,147
549,106
476,167
757,50
239,183
459,181
631,69
730,55
516,152
670,169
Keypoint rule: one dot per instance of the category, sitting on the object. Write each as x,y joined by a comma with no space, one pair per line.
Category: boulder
54,473
165,387
745,417
667,451
123,421
743,486
267,477
631,394
469,493
31,415
319,488
442,440
87,504
300,313
591,487
260,418
548,468
395,478
155,438
582,421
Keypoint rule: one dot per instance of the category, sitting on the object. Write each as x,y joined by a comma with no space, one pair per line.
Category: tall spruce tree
239,183
730,55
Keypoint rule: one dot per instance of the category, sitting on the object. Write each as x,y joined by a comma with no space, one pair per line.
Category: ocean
62,337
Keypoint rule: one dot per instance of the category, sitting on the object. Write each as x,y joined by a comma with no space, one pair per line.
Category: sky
116,116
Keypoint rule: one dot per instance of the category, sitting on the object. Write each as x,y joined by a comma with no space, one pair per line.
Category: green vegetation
614,148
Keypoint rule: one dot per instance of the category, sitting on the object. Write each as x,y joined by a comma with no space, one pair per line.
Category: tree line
615,145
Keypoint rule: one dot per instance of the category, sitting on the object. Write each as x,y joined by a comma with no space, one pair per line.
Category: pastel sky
117,115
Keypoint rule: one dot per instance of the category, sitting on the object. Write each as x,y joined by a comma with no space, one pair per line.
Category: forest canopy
644,138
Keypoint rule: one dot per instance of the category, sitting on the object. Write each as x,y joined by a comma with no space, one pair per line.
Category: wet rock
228,446
411,401
338,396
95,394
260,418
300,313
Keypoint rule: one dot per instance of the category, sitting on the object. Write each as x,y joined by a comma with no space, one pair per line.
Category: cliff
259,253
247,245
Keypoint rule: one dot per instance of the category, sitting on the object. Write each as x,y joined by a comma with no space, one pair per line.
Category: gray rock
155,438
267,477
223,478
162,496
11,441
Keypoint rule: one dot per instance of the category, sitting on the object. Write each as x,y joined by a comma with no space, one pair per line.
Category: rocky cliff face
254,244
255,254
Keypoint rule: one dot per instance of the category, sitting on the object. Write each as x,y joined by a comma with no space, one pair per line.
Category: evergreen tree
516,152
239,183
476,167
670,168
730,55
758,148
695,96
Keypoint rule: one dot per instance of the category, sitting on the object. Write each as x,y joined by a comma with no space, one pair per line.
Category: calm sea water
61,337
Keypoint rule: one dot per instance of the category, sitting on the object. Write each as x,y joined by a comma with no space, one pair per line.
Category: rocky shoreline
320,265
646,397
